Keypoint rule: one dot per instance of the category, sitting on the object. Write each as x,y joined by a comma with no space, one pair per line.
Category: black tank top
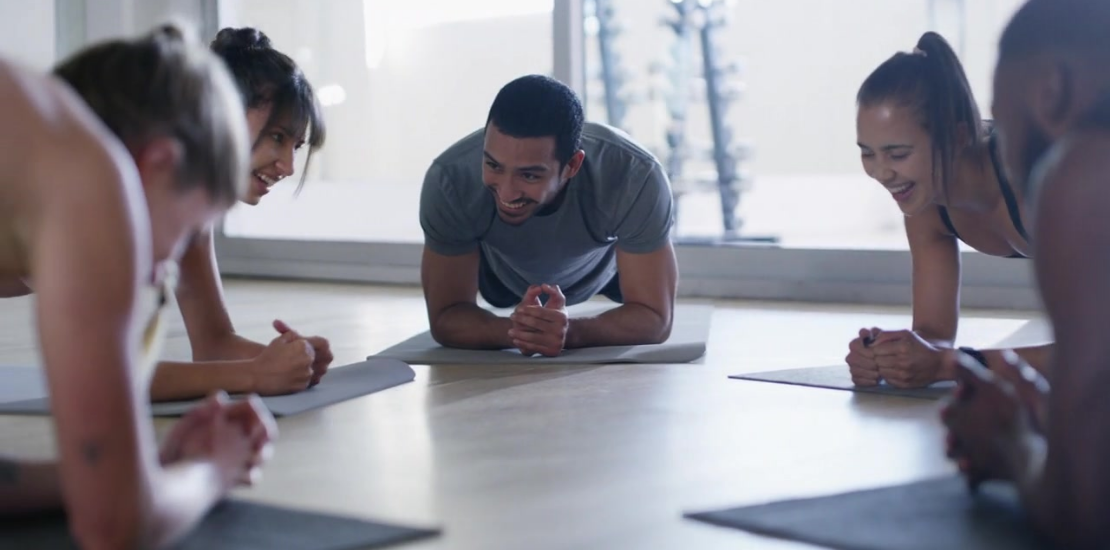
1007,195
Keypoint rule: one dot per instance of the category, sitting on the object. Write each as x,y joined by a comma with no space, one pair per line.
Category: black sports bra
1007,195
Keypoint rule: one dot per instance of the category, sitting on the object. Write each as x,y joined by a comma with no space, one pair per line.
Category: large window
778,106
403,80
400,81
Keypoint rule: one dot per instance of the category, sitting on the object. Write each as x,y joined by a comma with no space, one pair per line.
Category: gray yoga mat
928,515
838,378
234,525
23,389
687,343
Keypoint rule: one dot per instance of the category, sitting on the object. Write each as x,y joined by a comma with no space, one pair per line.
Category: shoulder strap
947,221
1007,191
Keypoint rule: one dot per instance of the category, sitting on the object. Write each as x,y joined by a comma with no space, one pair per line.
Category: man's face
1023,140
522,174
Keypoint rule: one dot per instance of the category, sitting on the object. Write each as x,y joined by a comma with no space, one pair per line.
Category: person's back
1049,435
44,121
1073,233
104,176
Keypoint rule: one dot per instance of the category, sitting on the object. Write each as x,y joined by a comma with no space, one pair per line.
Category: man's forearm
180,380
28,487
627,325
1038,357
468,326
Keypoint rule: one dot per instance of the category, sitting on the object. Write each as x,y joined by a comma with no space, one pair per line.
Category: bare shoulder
926,227
1076,173
50,124
55,149
63,174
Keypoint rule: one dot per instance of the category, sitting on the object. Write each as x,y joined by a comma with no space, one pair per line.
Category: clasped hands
235,437
902,358
997,416
996,419
540,328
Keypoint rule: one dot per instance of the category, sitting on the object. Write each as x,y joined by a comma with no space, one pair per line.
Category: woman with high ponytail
921,136
283,115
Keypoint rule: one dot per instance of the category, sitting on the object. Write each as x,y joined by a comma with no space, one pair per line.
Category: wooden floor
592,457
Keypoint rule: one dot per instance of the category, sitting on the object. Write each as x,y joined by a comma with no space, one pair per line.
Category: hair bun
169,31
173,32
231,40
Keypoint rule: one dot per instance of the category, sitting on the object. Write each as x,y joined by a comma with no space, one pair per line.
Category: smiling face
897,152
523,174
275,145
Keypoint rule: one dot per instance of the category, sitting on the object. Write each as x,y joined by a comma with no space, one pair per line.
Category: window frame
850,276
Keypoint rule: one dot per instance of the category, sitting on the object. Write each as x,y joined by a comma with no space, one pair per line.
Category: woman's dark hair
266,76
536,106
932,82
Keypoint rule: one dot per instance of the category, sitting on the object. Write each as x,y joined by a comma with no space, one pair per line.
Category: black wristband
977,355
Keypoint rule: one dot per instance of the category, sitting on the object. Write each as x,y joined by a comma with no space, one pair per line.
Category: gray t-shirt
621,198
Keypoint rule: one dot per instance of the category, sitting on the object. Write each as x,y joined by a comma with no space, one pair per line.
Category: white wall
27,32
434,84
428,87
28,28
803,61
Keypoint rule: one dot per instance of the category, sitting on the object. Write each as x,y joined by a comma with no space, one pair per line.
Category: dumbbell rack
712,83
701,21
612,74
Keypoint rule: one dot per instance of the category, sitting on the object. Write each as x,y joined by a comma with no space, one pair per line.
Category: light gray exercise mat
686,344
23,390
928,515
234,525
838,378
1034,332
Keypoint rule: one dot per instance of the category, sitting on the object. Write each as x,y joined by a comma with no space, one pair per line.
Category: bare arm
200,295
1071,498
211,334
450,290
648,284
936,279
1039,357
175,380
89,257
224,358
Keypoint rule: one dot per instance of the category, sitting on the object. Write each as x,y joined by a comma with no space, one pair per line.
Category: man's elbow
441,336
444,335
660,330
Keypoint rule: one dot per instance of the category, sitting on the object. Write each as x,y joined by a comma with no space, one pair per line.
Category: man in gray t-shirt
541,210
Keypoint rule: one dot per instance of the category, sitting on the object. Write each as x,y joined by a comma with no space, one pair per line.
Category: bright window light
386,20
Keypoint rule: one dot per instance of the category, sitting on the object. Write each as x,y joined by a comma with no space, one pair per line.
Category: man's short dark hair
1079,26
537,106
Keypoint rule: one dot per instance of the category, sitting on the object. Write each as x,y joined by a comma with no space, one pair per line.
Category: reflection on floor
583,456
